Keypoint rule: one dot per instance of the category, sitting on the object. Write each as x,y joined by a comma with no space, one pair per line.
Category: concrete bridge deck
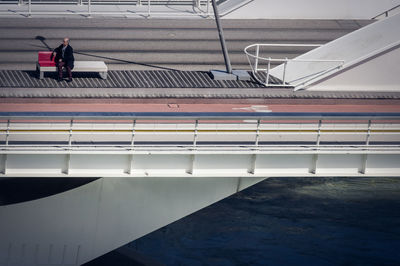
143,44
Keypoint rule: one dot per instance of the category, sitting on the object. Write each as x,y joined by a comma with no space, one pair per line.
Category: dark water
282,221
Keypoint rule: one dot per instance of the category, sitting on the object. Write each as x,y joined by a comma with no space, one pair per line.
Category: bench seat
46,65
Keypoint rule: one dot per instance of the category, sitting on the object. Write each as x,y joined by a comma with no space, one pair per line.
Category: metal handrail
386,13
77,125
257,58
225,116
355,62
306,80
89,11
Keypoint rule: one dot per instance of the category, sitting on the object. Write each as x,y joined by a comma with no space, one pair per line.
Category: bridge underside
76,226
277,161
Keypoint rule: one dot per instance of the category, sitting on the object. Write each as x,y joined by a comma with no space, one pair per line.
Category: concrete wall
312,9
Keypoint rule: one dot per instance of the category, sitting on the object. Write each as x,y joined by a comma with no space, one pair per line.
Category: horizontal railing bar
198,116
151,132
215,149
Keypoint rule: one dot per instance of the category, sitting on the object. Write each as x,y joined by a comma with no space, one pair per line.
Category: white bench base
79,66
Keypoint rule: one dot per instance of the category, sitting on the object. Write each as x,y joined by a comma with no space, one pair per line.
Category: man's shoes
69,80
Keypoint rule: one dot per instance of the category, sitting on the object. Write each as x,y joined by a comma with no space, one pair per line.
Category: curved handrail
257,57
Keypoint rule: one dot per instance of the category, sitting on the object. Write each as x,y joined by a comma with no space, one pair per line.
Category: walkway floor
156,84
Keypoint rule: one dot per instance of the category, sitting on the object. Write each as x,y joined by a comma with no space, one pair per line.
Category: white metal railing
138,7
387,13
194,133
266,62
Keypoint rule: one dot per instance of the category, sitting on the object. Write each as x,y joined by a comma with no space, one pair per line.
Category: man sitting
64,57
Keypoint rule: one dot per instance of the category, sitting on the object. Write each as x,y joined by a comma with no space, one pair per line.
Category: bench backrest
44,59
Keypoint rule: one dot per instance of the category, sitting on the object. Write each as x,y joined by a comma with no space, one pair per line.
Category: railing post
319,132
139,3
70,133
80,2
20,2
133,134
89,7
258,132
208,7
268,68
368,133
284,71
29,8
257,54
148,8
8,131
195,133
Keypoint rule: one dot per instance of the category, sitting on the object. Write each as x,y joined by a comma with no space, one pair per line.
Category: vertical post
139,3
253,161
222,39
284,71
363,168
314,162
80,2
70,133
257,54
131,164
133,134
258,132
89,7
20,2
148,8
368,133
195,133
319,132
268,68
208,7
3,164
29,8
8,131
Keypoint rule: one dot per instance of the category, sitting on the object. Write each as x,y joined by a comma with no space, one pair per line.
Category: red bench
44,60
45,64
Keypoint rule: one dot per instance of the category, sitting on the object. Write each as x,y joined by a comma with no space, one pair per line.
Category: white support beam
314,161
3,164
200,165
67,164
364,159
131,164
191,164
253,162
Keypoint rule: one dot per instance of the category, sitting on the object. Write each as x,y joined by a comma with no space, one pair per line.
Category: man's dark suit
66,61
